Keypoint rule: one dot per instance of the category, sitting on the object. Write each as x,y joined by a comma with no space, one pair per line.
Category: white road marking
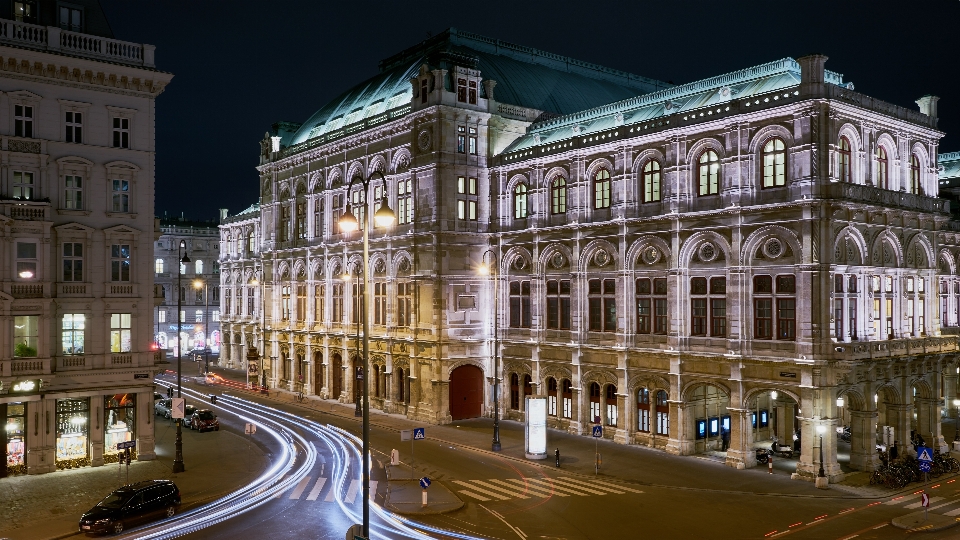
317,488
279,493
511,491
373,489
953,513
920,504
587,487
301,487
479,490
551,487
618,486
899,500
498,516
474,495
331,494
536,492
352,492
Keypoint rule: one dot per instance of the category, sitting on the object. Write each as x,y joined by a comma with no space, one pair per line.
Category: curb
917,522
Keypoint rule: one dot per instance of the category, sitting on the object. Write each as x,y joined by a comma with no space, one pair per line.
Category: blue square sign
924,454
419,434
598,431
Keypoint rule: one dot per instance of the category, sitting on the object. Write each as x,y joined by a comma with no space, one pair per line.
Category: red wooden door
466,392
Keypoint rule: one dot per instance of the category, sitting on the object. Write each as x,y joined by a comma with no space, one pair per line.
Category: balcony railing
52,38
886,198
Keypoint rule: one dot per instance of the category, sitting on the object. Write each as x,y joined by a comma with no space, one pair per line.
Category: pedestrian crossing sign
598,431
924,454
419,434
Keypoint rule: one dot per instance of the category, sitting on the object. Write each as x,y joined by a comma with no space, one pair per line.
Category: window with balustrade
774,304
602,305
520,309
73,261
882,168
120,262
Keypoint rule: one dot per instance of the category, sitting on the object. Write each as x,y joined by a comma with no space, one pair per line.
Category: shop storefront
73,433
119,421
14,437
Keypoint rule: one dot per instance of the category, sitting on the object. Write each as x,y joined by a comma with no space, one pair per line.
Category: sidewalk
636,464
49,506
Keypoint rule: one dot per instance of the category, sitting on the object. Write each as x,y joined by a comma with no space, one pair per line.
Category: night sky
241,65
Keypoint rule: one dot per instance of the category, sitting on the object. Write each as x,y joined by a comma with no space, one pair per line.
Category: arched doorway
337,376
466,392
706,406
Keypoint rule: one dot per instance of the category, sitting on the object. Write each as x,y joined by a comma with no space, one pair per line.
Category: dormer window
462,90
71,19
472,92
25,11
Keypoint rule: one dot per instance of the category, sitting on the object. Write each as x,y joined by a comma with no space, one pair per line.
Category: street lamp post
184,260
359,314
821,429
493,270
383,217
197,284
956,435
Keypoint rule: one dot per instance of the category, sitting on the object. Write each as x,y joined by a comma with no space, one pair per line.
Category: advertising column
536,428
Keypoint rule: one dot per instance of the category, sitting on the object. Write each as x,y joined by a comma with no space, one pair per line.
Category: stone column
740,452
98,428
823,401
863,429
899,417
623,434
950,392
928,423
576,426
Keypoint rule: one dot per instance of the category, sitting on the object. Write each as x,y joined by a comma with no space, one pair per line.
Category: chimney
223,214
811,74
928,105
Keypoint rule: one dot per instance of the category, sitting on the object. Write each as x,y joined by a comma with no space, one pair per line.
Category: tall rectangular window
472,139
698,306
27,260
318,303
337,315
603,305
120,262
461,139
23,185
317,219
120,341
472,92
121,132
250,301
74,127
358,307
405,304
404,201
285,303
467,203
660,306
718,306
26,335
380,303
301,220
558,304
121,195
301,302
162,316
462,90
284,222
73,192
72,261
520,304
71,19
23,121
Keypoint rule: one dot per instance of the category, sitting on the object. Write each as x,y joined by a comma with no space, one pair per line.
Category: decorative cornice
63,75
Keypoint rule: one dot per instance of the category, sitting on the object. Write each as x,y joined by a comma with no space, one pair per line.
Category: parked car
204,419
158,395
164,408
130,505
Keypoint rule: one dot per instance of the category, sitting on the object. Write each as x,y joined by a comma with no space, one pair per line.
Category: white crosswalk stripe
352,492
953,513
317,488
919,504
301,487
515,488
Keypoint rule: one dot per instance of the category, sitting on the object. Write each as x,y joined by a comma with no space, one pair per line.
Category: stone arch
600,376
284,192
752,394
545,264
315,182
376,163
401,160
946,257
756,238
888,389
894,243
694,383
924,390
852,393
283,271
554,172
353,262
334,177
556,372
693,154
766,133
466,362
636,249
851,233
316,268
690,245
378,261
355,169
647,155
335,266
299,268
645,380
300,186
591,249
596,165
507,264
921,242
516,366
849,131
890,145
402,263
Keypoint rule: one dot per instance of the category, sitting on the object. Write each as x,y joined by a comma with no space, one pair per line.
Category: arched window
709,173
520,201
515,392
882,168
400,386
843,153
915,174
199,266
558,195
552,396
594,403
567,397
663,413
651,181
611,401
643,410
527,387
601,189
774,163
158,266
376,380
251,243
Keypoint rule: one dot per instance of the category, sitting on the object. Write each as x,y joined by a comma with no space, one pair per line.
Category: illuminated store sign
25,387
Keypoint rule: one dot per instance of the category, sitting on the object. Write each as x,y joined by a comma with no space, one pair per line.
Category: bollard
394,457
424,498
770,465
557,454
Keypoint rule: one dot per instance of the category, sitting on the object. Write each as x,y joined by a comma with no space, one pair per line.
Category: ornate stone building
77,123
698,267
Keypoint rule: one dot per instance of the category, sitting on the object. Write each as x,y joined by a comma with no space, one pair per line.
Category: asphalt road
517,499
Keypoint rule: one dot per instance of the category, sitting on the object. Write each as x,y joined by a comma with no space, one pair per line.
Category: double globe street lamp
491,269
383,217
184,261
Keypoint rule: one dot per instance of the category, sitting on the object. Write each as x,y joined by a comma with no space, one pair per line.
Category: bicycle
300,397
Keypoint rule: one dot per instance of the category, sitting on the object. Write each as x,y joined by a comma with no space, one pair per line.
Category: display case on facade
119,420
73,433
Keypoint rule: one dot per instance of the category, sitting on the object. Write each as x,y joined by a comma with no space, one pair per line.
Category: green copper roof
525,76
699,95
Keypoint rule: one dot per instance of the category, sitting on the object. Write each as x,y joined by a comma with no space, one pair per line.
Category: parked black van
130,505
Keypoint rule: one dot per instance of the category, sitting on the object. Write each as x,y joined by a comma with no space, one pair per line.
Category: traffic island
405,496
924,522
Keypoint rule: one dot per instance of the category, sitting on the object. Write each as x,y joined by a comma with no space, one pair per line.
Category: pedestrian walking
557,455
725,439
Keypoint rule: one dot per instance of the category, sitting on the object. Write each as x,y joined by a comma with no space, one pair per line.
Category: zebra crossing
912,502
297,491
515,488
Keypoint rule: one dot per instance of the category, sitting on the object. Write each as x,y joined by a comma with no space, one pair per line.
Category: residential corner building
698,268
199,286
77,147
